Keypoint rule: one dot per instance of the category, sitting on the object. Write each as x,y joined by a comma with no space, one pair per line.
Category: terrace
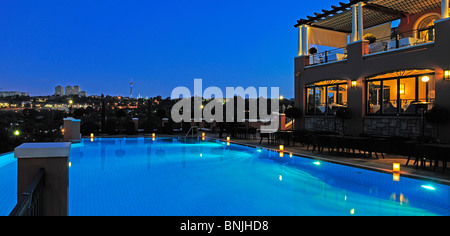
382,25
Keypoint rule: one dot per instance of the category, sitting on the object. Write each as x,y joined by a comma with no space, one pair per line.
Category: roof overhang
375,12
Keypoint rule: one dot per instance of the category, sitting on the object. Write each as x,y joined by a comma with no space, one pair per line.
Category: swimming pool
167,177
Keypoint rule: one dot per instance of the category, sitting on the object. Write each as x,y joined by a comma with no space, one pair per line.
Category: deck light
203,134
281,147
228,139
153,135
354,84
92,135
447,74
396,167
425,79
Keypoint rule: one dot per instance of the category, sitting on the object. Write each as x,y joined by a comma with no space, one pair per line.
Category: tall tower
131,89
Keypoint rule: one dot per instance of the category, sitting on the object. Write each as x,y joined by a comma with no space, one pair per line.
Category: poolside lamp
396,167
228,139
92,135
203,134
354,84
153,135
447,74
281,147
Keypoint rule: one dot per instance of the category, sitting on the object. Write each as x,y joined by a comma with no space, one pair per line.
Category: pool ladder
191,129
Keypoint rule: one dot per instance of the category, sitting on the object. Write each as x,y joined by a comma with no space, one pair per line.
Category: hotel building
388,61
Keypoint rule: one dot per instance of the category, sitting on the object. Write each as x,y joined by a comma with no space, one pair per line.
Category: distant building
83,94
59,91
69,90
13,93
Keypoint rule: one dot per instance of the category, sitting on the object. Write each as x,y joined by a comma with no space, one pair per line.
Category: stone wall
323,124
396,126
386,126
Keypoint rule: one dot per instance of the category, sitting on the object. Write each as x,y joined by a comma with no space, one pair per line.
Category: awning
375,12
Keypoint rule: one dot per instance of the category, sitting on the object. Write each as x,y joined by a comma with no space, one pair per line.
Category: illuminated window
323,98
398,92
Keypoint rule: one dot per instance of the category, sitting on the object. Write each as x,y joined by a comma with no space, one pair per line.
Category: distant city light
16,133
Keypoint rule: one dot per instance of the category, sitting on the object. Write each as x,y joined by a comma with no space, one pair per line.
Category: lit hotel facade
387,76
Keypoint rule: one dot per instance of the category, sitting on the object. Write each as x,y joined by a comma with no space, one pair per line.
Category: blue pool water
165,177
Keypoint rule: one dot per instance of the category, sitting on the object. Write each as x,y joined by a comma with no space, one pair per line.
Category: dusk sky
101,45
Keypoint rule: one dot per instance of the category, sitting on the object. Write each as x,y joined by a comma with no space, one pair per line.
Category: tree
293,113
343,113
438,115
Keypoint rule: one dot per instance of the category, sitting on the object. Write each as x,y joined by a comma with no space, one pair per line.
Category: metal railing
336,54
403,39
30,204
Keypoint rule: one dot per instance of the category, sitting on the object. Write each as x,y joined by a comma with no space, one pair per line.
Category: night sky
101,45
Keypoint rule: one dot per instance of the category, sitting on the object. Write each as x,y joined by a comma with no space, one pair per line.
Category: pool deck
356,160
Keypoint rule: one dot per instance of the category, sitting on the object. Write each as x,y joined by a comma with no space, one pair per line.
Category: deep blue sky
101,45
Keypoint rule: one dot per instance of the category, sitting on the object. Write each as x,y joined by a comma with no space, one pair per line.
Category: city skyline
102,45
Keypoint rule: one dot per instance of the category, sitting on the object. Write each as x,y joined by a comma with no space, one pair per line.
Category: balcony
386,25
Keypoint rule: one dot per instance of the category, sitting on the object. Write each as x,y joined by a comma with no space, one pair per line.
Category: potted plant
312,50
371,38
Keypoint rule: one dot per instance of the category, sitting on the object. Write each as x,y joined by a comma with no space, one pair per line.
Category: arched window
425,27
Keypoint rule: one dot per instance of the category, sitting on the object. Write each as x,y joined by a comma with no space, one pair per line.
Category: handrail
192,128
30,204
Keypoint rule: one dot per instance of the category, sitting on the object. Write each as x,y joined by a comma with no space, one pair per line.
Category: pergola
356,15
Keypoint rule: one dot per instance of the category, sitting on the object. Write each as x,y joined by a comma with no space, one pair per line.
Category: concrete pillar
72,129
76,134
68,129
54,158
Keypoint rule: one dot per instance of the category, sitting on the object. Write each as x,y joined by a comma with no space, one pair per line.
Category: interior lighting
425,79
447,74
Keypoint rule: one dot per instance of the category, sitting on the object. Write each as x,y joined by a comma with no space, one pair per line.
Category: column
445,11
305,40
360,21
300,40
54,159
354,24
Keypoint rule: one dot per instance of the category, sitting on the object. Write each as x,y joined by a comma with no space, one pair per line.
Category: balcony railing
403,39
337,54
30,204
